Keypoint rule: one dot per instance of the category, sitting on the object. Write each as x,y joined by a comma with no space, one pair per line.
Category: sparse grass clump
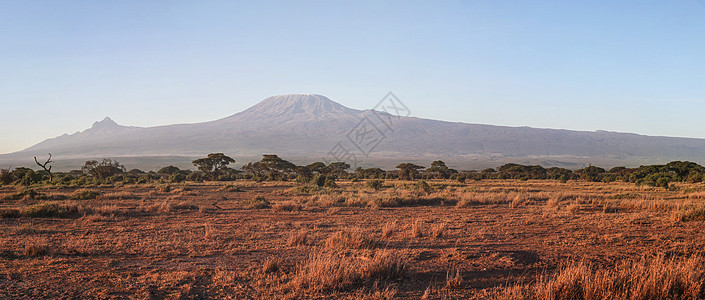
438,230
35,249
271,265
53,210
325,271
258,202
230,189
185,206
573,208
389,228
648,278
286,206
697,214
375,184
349,239
121,195
26,194
298,238
417,229
624,196
454,279
84,195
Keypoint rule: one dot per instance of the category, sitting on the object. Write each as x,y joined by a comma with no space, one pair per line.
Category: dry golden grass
246,240
334,271
647,278
348,239
298,238
389,228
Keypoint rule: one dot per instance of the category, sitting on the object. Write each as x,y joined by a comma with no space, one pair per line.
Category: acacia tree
272,165
407,171
441,169
213,164
338,168
104,169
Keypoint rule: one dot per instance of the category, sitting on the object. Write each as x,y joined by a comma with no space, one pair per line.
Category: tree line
271,167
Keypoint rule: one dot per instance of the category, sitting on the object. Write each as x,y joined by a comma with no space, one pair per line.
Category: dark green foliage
517,171
337,168
6,176
272,167
408,171
30,178
439,170
197,176
177,177
169,170
317,167
591,173
135,172
324,181
370,173
102,170
213,165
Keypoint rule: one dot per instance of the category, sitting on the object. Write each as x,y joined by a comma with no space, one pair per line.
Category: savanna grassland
436,239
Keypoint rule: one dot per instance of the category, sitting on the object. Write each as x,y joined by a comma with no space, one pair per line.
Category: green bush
324,181
30,178
177,177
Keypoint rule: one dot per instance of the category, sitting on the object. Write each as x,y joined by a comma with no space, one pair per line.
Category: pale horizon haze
626,66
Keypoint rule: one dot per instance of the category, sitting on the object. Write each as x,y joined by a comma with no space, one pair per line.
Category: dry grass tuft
417,229
389,228
453,279
648,278
287,206
298,238
271,265
325,271
121,195
438,230
695,214
258,202
36,248
573,208
349,239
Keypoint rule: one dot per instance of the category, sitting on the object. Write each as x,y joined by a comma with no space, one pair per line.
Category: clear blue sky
632,66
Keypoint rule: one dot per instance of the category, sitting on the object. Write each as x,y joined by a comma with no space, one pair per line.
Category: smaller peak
105,123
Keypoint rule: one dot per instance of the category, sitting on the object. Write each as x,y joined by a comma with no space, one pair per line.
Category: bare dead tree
44,166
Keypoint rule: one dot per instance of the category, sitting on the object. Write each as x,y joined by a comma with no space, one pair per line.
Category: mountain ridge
310,125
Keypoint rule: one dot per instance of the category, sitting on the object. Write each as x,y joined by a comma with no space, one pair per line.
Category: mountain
306,128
